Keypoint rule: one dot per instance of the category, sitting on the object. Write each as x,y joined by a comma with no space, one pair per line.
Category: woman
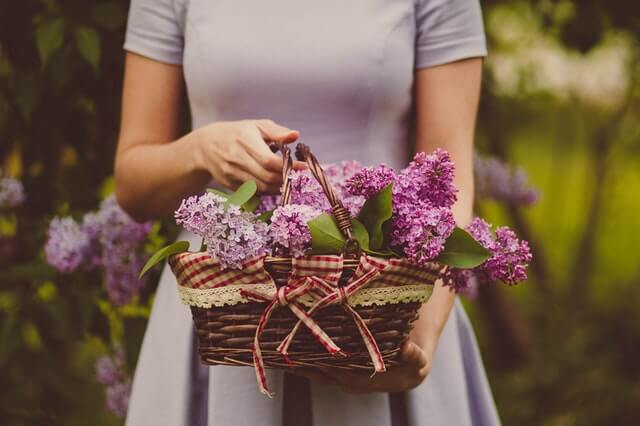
345,76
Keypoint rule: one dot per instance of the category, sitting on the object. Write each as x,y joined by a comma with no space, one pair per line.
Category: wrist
195,146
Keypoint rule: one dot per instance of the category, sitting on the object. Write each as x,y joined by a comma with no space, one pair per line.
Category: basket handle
342,215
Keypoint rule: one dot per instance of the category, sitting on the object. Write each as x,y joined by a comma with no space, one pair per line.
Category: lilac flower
423,233
370,180
67,245
267,202
11,193
120,241
509,256
496,180
109,368
289,228
427,179
231,235
305,189
118,398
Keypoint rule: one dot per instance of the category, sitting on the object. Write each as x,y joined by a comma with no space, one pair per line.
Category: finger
277,133
239,176
260,151
413,355
251,165
300,165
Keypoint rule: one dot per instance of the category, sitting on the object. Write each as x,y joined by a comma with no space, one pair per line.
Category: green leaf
223,194
375,212
266,216
88,43
109,15
462,251
49,37
327,238
163,253
251,205
360,234
242,194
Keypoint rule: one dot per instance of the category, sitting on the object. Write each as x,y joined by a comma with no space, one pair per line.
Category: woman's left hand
414,367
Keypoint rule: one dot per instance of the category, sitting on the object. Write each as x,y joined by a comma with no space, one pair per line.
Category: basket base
226,334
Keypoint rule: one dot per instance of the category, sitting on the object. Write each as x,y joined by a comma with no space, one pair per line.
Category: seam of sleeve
145,47
432,55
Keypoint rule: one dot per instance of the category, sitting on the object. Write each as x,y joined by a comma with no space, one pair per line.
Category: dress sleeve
155,29
447,31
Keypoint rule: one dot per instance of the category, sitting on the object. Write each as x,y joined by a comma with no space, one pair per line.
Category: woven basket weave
226,328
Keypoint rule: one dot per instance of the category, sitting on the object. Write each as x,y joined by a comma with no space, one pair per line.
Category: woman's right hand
234,152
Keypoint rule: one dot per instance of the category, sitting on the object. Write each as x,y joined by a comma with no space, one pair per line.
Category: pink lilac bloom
289,228
231,235
498,181
509,255
370,180
109,368
305,189
11,193
68,244
267,203
118,398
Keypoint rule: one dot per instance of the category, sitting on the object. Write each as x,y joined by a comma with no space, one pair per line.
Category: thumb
274,132
412,354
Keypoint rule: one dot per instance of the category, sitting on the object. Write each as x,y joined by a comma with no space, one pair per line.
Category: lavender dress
340,72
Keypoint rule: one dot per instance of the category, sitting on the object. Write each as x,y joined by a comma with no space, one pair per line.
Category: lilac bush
110,372
107,239
498,181
68,244
11,193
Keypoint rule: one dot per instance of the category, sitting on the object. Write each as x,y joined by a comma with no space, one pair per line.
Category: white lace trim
230,295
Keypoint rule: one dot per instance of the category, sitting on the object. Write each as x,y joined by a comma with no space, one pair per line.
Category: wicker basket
228,322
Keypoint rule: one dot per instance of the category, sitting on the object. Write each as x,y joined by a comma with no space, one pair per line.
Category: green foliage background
562,349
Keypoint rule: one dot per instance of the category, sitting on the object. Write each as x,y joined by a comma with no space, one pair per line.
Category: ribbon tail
369,340
258,362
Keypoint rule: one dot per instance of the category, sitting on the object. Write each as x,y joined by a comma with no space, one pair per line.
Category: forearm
433,315
152,179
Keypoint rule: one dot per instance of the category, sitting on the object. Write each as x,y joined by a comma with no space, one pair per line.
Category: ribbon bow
339,295
285,296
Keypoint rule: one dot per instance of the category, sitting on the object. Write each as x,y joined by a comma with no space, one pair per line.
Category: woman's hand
414,368
234,152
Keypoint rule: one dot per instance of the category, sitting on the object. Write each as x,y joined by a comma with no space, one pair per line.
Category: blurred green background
561,98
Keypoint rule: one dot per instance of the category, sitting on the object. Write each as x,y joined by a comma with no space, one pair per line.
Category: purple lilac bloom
11,193
289,228
118,398
424,233
423,194
109,368
427,179
267,202
231,235
498,181
370,180
509,255
121,242
305,190
68,245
